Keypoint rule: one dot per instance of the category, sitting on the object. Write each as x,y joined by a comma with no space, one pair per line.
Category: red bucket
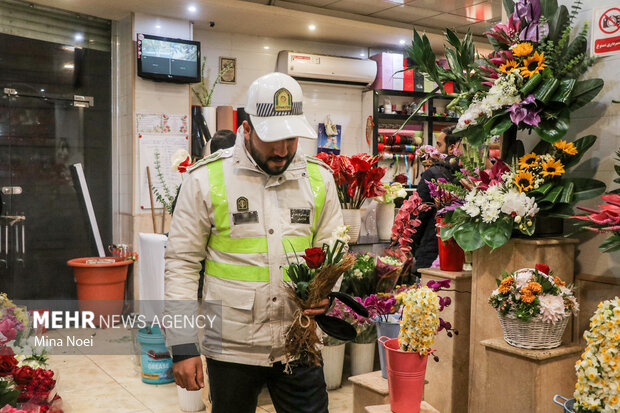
406,371
451,256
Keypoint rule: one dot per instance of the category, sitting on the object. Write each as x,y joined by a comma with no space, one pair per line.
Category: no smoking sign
606,34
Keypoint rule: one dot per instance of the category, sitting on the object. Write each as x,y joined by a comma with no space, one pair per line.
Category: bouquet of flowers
312,281
359,280
534,294
364,326
447,196
598,373
420,320
357,177
392,191
427,153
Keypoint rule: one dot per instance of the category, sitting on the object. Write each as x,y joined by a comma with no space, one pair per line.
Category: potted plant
359,280
385,209
204,93
533,307
357,179
387,321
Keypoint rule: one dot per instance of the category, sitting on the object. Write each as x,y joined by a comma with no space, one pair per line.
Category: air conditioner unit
327,69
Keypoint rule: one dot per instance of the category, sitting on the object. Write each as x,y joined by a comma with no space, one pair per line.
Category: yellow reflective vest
245,223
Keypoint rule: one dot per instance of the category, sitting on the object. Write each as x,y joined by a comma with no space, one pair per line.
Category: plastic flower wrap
420,320
598,370
534,293
392,191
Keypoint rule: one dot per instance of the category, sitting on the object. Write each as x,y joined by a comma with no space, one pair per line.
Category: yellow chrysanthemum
566,147
524,181
509,66
522,49
533,64
552,167
529,160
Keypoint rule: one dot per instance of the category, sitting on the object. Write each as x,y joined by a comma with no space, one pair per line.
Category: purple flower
529,11
525,111
438,285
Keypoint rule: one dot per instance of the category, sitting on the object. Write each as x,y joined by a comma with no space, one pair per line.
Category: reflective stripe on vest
252,245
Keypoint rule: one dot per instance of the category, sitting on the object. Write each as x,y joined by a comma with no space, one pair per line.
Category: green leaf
453,39
564,91
448,232
567,193
611,244
502,126
546,90
468,237
582,145
509,6
584,92
552,197
560,210
555,126
585,188
548,7
542,147
476,135
542,190
498,233
557,23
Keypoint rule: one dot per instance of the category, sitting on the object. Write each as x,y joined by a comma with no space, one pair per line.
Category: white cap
275,108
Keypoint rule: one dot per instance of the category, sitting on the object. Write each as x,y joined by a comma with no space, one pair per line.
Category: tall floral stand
559,254
447,387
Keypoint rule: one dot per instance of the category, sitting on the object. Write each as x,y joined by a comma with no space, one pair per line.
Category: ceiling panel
406,14
441,21
476,28
363,7
484,11
315,3
448,5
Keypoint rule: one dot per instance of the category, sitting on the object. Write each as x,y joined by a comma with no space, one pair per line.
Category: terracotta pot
100,286
451,255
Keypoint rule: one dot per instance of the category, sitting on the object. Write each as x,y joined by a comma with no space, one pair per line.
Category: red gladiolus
544,268
314,257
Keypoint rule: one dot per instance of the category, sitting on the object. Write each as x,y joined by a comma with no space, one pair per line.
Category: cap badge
282,101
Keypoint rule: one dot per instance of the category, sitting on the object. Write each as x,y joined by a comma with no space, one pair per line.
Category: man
222,139
241,209
425,239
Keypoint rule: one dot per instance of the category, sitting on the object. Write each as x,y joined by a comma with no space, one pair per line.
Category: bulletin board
163,134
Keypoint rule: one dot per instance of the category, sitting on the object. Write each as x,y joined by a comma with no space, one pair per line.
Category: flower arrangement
311,282
359,280
202,91
180,162
598,370
534,294
530,80
447,196
407,222
357,177
393,191
420,320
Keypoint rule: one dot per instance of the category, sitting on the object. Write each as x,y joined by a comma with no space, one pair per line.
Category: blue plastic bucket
390,330
154,356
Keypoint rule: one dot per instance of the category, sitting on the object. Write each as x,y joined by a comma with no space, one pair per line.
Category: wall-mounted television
168,60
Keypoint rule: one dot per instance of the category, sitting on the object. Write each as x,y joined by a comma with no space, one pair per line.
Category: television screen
170,60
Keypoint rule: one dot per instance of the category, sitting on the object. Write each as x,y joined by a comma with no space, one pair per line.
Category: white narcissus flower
179,156
551,307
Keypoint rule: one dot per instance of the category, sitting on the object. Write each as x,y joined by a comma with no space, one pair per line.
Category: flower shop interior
475,149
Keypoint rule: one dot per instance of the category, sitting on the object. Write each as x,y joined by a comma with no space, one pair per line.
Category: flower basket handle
383,339
556,397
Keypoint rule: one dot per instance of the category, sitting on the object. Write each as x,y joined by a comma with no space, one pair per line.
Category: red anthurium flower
185,164
544,268
314,257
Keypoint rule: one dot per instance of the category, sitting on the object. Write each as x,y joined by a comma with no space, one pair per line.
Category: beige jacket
255,315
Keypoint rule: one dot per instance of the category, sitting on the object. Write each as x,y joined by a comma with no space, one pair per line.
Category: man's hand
319,308
188,373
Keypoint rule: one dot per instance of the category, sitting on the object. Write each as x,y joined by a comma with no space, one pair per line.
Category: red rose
7,365
23,375
401,178
544,268
314,257
6,351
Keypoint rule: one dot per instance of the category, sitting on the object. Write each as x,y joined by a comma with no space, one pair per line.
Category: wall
343,104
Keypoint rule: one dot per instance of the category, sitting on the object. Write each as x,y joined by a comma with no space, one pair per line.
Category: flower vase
451,255
209,115
389,329
385,221
362,358
352,218
190,401
406,371
333,362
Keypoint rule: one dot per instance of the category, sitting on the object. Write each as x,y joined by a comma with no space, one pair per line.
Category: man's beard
262,161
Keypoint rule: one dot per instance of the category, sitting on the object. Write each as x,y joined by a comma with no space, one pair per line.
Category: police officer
243,210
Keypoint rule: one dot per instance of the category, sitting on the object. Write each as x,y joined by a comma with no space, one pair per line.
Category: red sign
607,45
609,23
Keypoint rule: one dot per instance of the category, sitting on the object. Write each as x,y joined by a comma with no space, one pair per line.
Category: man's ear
246,131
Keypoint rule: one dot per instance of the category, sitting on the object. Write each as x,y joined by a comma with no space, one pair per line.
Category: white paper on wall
166,145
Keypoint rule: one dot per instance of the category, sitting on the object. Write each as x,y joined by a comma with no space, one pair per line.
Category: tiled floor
105,383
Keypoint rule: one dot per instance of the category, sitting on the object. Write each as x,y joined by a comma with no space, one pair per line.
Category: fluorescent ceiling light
68,66
191,9
158,26
78,37
312,27
402,41
266,47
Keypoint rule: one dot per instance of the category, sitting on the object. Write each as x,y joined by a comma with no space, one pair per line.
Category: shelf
387,116
387,92
445,119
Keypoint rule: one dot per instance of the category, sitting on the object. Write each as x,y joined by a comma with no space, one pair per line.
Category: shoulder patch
317,161
220,154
